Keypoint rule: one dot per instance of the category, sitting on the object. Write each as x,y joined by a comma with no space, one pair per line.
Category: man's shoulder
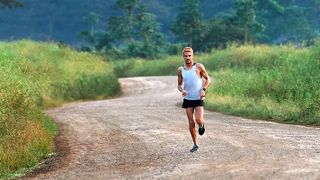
199,65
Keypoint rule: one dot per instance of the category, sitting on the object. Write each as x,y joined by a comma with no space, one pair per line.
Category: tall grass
140,67
36,76
279,83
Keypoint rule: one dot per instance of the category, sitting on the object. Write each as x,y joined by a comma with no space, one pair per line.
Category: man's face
187,56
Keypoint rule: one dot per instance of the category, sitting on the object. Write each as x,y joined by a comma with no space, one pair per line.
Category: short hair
187,49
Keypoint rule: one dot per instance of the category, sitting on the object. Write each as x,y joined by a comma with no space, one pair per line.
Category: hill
62,20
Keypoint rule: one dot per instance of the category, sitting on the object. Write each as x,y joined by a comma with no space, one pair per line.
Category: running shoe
194,148
201,130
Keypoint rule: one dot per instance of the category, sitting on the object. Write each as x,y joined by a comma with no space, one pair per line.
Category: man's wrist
180,89
204,89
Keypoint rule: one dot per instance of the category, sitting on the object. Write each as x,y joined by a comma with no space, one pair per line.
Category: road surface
144,135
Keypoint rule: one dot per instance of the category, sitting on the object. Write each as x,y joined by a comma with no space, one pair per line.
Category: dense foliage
188,26
213,24
134,33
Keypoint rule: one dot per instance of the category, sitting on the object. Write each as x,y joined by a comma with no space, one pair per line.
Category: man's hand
184,93
202,94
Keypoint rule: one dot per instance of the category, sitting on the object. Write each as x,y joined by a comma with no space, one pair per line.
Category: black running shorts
191,103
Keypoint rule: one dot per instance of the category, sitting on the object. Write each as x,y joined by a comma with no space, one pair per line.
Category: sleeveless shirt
191,83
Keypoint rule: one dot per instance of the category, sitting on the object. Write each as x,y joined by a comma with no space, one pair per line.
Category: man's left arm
205,75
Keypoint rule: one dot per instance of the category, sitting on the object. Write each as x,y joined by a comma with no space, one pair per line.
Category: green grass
140,67
36,76
290,86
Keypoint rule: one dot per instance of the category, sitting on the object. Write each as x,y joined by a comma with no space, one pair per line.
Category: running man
193,90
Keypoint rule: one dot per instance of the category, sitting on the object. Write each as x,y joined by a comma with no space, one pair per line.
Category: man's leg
192,128
199,119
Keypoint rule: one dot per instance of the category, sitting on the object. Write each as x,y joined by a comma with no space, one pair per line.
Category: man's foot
194,148
201,130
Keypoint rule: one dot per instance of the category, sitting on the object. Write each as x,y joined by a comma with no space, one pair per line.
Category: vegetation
135,33
114,25
246,23
36,76
143,67
188,26
279,83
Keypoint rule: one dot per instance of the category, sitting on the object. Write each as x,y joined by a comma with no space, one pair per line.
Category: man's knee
199,120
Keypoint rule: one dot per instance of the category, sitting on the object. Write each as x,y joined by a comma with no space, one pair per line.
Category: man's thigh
198,112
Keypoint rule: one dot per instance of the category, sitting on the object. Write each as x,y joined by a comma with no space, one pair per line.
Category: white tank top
191,83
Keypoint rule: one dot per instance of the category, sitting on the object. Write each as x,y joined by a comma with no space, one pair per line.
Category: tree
128,5
245,19
135,32
240,26
121,27
220,32
287,20
92,19
149,41
188,26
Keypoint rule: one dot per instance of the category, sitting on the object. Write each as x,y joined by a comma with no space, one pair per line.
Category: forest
124,27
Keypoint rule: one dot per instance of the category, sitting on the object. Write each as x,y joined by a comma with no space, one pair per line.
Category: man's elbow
208,80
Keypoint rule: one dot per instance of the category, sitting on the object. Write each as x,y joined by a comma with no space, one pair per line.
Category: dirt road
144,135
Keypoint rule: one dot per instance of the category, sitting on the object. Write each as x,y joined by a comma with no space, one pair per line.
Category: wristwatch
204,89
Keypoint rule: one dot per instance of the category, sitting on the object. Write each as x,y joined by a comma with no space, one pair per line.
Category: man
193,90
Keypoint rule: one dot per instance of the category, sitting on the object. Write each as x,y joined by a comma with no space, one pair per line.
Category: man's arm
180,88
205,75
180,82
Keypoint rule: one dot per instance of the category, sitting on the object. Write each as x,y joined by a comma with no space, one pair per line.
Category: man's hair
187,49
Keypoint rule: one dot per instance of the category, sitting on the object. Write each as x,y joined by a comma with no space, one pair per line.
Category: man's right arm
180,81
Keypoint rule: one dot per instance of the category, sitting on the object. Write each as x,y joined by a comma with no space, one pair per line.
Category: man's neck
189,65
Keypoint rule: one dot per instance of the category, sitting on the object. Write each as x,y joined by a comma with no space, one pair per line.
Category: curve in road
144,135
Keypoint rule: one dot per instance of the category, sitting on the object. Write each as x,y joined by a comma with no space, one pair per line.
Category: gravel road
144,135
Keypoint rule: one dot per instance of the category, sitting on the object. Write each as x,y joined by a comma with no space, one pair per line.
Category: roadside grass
278,83
286,90
37,76
141,67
